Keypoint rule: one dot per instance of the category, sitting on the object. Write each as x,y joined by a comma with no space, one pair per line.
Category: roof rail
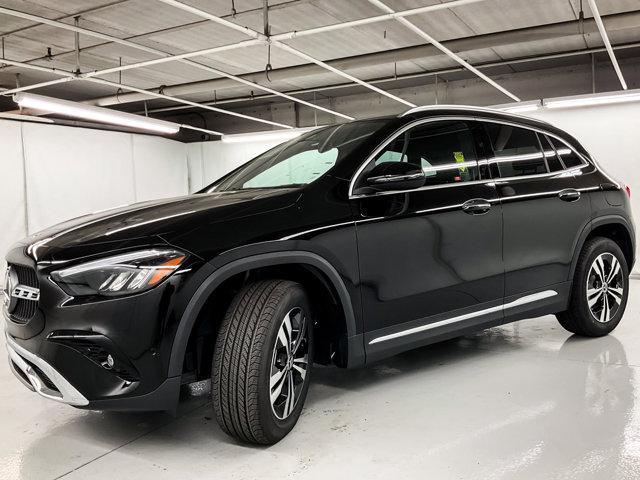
467,108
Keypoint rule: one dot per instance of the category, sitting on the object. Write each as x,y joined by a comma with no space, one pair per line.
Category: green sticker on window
459,157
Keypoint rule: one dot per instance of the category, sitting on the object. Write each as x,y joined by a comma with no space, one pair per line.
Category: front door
430,258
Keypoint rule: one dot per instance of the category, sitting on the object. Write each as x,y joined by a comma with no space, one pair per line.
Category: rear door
430,258
543,209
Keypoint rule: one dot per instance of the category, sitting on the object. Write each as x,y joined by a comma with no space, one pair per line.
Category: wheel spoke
615,268
616,294
300,365
286,325
283,339
291,395
598,268
277,391
301,334
604,314
593,295
276,377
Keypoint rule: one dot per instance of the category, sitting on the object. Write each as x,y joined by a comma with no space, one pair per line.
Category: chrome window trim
401,130
535,297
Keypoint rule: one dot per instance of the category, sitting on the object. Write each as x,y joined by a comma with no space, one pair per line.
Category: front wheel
599,291
262,360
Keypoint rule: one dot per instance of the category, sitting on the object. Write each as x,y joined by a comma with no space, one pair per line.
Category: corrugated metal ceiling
171,30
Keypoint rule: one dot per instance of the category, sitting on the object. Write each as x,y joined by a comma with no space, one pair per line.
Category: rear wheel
600,290
262,360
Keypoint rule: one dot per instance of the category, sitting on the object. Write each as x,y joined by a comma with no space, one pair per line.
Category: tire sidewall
596,249
273,427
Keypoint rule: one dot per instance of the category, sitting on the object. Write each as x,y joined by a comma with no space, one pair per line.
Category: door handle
569,195
477,206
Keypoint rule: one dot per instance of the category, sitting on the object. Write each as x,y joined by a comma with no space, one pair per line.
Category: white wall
611,133
209,161
73,171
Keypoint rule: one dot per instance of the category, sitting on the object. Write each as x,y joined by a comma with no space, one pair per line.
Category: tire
249,350
587,314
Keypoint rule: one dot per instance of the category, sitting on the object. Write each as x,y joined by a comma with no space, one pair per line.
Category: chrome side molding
535,297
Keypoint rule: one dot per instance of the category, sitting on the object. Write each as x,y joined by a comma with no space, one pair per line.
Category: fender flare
226,271
593,224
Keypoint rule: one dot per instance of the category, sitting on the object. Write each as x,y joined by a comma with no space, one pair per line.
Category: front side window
299,161
516,151
444,150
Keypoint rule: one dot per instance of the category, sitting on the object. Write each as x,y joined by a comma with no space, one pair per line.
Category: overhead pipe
165,57
257,35
614,22
408,76
443,49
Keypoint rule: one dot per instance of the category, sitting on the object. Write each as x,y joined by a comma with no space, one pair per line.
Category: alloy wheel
605,287
290,363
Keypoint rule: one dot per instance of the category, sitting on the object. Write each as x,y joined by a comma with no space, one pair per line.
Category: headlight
119,275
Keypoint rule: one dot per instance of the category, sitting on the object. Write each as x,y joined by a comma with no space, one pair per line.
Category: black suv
344,246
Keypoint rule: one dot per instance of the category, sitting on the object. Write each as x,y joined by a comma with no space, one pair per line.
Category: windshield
299,161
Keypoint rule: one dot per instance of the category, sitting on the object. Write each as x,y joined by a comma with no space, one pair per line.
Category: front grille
25,309
26,275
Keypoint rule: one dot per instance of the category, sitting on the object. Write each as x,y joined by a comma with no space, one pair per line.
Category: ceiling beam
257,35
421,51
408,76
607,43
375,19
166,57
443,49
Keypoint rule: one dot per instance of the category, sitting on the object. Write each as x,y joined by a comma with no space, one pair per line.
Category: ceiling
155,25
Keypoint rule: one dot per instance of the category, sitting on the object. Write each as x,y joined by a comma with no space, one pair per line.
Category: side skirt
388,341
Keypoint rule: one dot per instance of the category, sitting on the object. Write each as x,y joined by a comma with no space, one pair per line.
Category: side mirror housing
395,176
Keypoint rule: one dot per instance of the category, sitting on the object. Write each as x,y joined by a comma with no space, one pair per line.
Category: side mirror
395,176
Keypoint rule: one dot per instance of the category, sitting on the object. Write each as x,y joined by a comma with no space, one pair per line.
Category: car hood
149,222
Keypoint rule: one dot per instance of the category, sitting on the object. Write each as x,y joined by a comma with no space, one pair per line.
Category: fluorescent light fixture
97,114
597,99
520,107
268,136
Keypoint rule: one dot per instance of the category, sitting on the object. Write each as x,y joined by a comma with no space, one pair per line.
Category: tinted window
568,156
300,161
444,150
553,162
516,150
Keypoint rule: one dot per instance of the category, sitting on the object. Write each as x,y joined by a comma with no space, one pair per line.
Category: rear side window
444,150
516,151
569,158
553,162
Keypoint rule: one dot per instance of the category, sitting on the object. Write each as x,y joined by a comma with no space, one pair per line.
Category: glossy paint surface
521,401
402,258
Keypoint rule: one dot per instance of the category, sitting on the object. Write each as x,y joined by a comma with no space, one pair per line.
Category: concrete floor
525,400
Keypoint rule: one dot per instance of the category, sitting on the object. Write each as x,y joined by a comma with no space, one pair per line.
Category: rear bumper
42,378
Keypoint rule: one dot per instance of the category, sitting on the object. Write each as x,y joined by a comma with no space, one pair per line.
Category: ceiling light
268,136
519,107
89,112
599,99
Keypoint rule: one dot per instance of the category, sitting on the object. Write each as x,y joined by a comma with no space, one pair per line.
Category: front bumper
39,376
